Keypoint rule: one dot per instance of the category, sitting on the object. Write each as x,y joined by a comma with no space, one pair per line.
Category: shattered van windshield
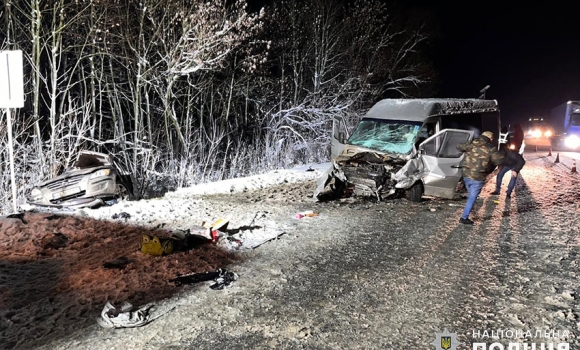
389,136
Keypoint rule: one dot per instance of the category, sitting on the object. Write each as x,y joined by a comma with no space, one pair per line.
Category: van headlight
548,133
102,172
572,141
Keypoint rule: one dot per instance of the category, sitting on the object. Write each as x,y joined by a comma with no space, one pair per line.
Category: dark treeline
186,91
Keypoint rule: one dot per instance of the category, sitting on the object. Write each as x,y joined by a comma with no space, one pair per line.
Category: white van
406,145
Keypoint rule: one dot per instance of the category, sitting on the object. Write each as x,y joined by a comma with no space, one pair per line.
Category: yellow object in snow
155,246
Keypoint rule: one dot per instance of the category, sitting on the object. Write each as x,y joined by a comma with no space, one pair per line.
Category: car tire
122,192
415,192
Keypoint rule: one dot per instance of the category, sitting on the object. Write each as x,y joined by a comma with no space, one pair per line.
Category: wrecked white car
93,179
406,146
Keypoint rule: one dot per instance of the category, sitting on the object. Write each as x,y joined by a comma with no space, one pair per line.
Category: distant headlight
548,133
537,133
102,172
572,141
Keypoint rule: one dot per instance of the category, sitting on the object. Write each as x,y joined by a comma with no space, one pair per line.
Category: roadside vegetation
184,92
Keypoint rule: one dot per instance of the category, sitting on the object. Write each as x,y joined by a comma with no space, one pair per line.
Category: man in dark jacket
481,158
513,161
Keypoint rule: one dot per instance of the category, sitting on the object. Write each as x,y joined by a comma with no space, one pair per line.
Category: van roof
418,109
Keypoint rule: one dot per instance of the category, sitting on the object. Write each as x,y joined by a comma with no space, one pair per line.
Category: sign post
11,96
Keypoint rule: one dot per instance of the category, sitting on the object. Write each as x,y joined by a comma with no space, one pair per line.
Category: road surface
388,275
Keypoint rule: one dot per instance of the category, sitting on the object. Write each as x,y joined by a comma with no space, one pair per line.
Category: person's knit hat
488,134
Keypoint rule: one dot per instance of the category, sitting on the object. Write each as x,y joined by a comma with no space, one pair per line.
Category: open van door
340,134
442,161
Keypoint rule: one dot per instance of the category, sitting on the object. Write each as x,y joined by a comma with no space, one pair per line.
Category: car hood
86,163
72,173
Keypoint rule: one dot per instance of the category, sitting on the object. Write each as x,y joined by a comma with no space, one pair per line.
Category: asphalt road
389,275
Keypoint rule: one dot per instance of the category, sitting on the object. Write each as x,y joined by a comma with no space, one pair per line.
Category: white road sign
11,79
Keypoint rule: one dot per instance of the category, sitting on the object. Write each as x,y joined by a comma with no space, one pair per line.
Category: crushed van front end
366,174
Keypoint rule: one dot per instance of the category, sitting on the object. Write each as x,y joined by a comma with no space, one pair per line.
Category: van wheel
415,192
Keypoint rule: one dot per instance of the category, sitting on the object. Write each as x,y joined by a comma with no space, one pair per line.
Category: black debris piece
193,241
52,217
119,263
224,280
195,278
19,216
221,277
187,240
122,215
54,241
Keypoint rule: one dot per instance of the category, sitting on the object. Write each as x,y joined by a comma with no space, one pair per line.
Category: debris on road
221,277
124,317
308,213
122,215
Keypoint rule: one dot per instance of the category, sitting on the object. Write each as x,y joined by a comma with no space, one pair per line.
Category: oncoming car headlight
572,141
102,172
537,133
548,133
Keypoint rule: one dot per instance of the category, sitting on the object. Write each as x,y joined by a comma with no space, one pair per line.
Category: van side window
449,147
432,147
445,145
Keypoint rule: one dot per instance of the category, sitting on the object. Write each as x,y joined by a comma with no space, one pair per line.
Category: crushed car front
92,179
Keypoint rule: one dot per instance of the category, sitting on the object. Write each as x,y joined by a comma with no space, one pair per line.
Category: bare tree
184,91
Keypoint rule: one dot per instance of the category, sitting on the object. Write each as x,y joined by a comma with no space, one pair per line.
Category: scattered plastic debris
121,215
308,213
221,277
124,317
235,238
224,280
111,202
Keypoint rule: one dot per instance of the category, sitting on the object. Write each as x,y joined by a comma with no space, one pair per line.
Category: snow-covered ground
183,208
362,274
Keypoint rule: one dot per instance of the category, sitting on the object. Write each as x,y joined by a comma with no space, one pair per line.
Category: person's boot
495,193
465,221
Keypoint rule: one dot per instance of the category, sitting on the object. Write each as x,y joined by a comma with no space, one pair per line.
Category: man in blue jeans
481,158
514,162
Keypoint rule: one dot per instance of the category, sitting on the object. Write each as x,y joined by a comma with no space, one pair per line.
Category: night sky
529,55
